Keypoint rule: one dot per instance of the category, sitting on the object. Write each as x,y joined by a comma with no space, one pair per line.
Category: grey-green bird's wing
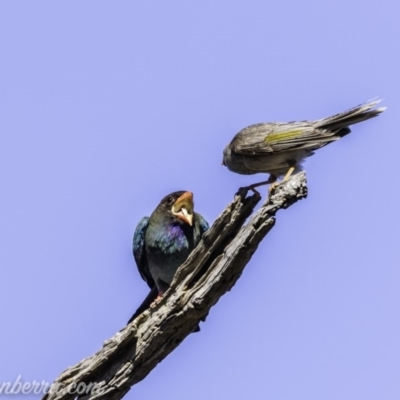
139,251
261,139
268,138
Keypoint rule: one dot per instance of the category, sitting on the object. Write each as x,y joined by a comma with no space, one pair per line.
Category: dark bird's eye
170,200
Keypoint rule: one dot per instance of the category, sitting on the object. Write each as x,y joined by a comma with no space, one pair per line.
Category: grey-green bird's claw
278,147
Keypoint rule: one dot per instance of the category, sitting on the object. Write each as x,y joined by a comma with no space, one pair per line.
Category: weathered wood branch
211,270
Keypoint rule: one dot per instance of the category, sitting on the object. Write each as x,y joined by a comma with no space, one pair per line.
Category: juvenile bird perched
279,148
163,242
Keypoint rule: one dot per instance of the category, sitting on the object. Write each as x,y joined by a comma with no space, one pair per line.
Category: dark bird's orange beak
183,208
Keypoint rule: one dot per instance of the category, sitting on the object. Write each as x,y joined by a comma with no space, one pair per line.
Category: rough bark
211,270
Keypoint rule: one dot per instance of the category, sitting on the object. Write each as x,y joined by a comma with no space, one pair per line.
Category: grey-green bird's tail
339,123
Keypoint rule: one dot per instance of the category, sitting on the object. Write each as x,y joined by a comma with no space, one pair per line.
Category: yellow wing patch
282,136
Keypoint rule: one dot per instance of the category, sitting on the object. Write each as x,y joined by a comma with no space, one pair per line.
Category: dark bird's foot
156,300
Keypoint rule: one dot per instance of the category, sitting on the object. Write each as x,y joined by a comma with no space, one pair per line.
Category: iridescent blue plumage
139,252
163,242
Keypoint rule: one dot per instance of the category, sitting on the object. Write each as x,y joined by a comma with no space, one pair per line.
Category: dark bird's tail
145,304
340,122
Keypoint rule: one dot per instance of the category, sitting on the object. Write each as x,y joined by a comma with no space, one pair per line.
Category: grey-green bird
279,148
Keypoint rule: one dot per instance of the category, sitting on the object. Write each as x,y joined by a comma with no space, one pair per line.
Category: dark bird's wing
139,251
203,227
203,224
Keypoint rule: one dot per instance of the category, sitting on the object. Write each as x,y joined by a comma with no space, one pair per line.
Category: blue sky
108,106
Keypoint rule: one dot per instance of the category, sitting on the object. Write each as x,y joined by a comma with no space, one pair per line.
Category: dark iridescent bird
163,242
279,148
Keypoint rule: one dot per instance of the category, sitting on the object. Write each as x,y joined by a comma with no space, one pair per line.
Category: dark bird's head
177,206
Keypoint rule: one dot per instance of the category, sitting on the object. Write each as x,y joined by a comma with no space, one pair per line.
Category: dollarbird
279,148
163,242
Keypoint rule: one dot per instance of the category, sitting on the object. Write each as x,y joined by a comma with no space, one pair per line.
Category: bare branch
211,270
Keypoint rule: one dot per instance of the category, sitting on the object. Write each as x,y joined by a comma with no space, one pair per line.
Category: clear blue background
108,106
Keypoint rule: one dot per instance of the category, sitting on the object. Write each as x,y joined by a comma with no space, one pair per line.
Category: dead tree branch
211,270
